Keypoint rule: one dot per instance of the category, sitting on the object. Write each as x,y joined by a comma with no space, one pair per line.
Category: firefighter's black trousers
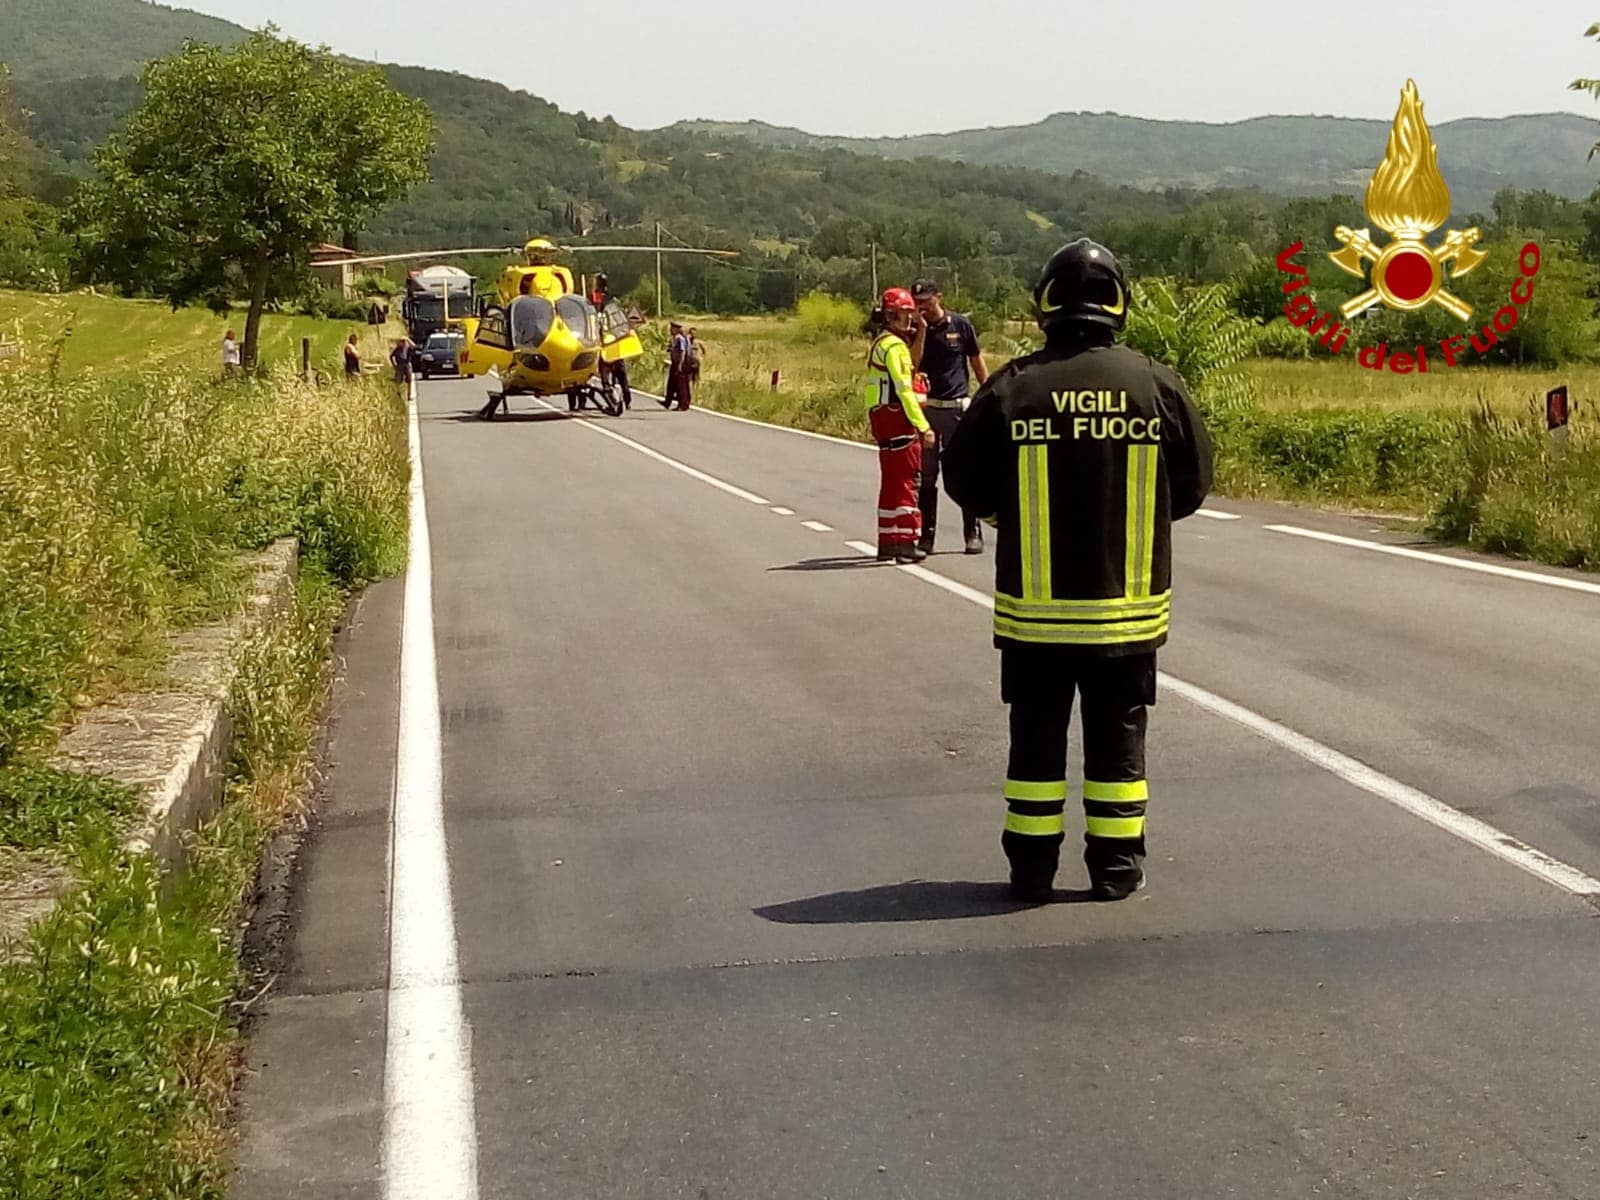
1039,684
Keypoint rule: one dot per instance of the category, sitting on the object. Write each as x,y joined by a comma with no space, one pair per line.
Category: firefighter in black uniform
1082,455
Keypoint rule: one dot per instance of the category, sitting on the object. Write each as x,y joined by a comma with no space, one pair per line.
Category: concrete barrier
171,742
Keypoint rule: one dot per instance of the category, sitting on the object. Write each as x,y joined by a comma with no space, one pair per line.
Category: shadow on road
473,416
914,900
849,563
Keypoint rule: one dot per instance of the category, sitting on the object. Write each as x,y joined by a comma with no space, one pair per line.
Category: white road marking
430,1141
1217,514
1420,804
1479,833
1444,560
817,526
1357,774
781,511
671,462
821,437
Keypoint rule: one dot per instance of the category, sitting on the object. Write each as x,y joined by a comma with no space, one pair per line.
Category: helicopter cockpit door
493,329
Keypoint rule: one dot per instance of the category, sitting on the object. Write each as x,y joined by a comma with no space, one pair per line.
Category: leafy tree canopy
238,162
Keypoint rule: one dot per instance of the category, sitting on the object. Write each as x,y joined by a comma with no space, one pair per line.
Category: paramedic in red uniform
894,412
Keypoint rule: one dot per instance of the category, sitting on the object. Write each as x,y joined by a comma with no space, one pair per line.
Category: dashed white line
719,484
1216,514
781,511
1444,560
429,1130
817,526
821,437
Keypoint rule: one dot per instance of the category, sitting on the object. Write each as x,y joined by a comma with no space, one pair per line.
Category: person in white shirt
230,354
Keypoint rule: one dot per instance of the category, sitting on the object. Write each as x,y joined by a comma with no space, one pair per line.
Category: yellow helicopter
541,336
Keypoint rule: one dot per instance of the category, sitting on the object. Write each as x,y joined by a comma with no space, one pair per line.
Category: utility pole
874,272
658,271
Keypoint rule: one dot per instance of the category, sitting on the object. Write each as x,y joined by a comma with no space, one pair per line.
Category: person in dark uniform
946,352
1082,455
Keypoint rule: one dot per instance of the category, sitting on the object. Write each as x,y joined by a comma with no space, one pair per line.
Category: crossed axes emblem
1458,248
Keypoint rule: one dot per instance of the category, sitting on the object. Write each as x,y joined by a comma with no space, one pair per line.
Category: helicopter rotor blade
386,258
650,250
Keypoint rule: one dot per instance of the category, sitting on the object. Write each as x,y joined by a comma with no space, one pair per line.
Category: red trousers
899,476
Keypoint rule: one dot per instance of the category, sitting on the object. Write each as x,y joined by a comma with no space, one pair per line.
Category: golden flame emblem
1407,198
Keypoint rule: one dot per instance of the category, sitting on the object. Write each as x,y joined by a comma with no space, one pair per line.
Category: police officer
1082,455
946,350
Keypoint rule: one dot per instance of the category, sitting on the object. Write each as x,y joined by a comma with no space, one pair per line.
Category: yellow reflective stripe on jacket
1141,520
1116,793
1033,505
1022,789
1035,826
1084,610
1115,827
1087,634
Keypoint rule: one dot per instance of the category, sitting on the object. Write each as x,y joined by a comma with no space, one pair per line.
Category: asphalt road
721,807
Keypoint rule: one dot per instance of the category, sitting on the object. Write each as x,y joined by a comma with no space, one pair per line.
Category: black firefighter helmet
1082,282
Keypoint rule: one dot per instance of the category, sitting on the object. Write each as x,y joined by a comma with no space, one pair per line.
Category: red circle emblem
1409,275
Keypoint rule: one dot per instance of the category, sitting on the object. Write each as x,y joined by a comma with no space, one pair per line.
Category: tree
1592,86
238,162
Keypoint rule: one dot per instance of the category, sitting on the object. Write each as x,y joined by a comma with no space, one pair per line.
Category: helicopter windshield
577,315
531,319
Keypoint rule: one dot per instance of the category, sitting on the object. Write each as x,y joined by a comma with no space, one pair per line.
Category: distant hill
510,164
1286,155
66,39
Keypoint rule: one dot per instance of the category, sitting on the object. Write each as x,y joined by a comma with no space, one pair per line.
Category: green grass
119,1039
104,334
1465,449
132,480
128,502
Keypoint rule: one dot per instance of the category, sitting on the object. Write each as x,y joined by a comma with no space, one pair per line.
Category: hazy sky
833,66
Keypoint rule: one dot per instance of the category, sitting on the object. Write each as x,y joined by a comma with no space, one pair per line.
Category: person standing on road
946,351
899,427
1082,455
679,390
403,357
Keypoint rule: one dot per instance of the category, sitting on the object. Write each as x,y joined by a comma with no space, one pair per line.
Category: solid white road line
671,462
1358,774
430,1142
1444,560
1217,514
817,526
781,511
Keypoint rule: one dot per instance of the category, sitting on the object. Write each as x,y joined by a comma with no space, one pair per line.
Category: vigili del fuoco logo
1407,198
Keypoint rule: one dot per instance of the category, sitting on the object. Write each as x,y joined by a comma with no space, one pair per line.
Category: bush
1279,339
822,315
1196,333
124,507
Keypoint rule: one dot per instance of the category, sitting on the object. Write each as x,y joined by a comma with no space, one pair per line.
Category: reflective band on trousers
1036,826
1114,608
1112,633
1140,533
1116,827
1116,793
1021,789
1033,505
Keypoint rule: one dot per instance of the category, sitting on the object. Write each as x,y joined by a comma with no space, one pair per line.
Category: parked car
437,355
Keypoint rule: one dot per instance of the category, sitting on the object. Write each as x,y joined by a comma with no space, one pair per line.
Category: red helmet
898,299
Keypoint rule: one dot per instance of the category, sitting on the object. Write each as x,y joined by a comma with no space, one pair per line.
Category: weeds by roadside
124,507
119,1038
